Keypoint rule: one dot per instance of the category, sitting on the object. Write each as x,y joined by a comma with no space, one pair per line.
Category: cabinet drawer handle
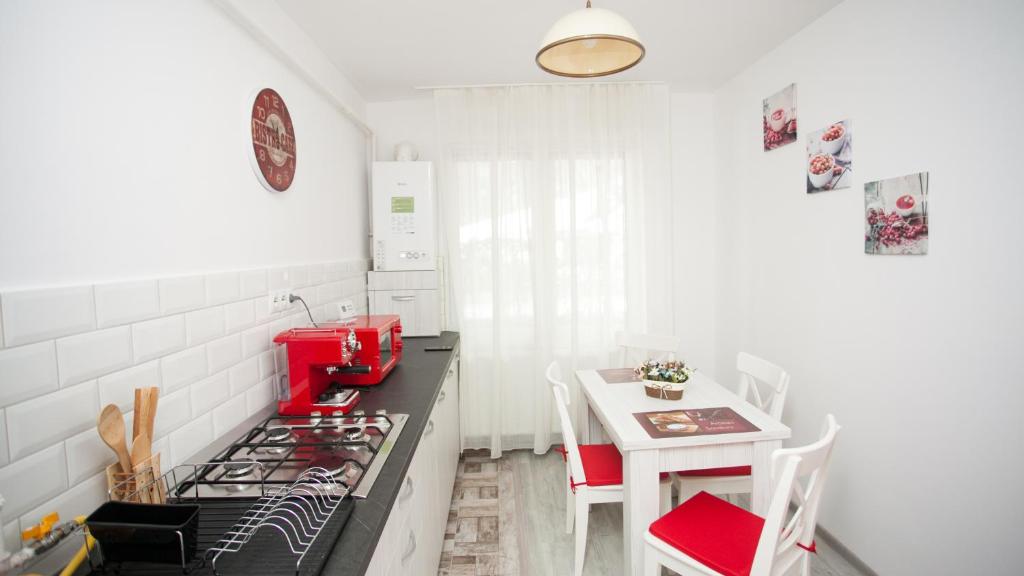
410,548
430,428
403,298
409,489
441,397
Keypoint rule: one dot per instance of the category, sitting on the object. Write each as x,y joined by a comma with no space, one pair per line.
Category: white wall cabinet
414,532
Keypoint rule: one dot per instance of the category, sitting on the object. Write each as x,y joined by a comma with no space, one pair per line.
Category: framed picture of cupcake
830,157
896,215
779,118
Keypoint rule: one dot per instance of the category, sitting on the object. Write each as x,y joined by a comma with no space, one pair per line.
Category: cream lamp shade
590,42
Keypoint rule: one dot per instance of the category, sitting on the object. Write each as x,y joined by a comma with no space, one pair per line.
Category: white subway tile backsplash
204,325
173,411
80,500
298,275
278,279
31,481
190,438
12,535
27,372
43,421
119,387
315,274
5,457
183,368
253,283
182,294
255,341
87,455
329,292
156,338
266,363
113,337
93,354
333,271
238,315
208,393
126,302
228,415
259,396
224,352
243,375
36,315
222,287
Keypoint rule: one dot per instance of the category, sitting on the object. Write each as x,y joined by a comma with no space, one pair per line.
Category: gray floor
544,546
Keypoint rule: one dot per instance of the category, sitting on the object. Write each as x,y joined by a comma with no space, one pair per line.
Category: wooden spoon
111,429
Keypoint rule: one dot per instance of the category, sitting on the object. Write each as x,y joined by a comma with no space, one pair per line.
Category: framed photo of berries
896,215
830,157
779,118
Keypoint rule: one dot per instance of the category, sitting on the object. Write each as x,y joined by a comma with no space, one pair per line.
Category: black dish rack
289,530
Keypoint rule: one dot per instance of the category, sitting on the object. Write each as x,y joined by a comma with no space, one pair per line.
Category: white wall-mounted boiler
404,216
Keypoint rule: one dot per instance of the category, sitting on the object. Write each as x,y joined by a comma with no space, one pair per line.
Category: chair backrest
554,376
763,384
572,449
799,475
638,348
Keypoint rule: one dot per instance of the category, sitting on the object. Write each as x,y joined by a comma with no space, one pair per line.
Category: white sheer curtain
556,203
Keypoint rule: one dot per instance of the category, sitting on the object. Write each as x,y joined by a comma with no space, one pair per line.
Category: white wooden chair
637,348
593,473
709,536
764,385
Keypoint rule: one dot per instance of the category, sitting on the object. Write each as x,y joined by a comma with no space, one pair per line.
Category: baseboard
843,551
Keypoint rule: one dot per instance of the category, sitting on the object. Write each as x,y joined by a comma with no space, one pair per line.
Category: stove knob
382,412
314,414
359,413
337,413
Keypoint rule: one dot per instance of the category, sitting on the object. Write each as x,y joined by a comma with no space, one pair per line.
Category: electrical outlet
278,300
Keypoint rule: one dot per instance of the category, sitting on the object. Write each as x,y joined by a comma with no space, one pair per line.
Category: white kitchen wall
918,356
136,245
404,121
694,209
131,155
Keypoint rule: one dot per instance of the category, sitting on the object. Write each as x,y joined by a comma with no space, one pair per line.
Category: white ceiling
388,47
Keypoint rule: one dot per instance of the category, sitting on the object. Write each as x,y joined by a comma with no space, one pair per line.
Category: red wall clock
273,141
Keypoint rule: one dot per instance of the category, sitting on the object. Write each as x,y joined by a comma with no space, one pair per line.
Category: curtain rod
458,86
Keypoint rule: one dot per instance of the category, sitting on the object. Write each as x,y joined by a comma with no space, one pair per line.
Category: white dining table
612,407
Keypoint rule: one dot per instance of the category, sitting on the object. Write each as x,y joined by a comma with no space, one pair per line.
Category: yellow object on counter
82,553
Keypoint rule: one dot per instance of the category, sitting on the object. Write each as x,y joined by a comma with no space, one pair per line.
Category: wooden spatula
141,451
154,399
111,429
136,423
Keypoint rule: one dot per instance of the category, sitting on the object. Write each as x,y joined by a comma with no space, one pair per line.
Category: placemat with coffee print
693,422
618,375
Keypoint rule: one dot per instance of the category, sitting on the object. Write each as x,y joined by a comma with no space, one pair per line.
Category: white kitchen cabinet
414,532
418,309
413,295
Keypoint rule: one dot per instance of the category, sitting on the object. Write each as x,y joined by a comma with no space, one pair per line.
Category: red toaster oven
324,359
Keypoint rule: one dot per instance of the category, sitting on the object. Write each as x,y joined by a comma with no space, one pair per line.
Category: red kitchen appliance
323,359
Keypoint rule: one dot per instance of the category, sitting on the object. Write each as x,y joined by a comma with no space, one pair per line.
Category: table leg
640,507
761,475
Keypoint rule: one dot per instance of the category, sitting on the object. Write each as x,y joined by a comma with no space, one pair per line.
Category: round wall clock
273,141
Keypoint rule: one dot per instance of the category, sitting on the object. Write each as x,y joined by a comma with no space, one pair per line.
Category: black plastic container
160,533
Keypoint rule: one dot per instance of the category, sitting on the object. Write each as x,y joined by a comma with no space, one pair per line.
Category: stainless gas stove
352,449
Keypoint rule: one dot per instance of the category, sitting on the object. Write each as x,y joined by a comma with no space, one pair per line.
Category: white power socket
278,300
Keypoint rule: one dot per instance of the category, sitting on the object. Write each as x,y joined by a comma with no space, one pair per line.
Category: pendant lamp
590,42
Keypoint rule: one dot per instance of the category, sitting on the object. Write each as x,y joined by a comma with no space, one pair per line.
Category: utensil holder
145,484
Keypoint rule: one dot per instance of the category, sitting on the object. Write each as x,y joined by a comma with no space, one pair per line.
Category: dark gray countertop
411,388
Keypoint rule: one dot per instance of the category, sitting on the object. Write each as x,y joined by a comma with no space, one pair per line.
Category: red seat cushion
715,533
728,471
602,464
